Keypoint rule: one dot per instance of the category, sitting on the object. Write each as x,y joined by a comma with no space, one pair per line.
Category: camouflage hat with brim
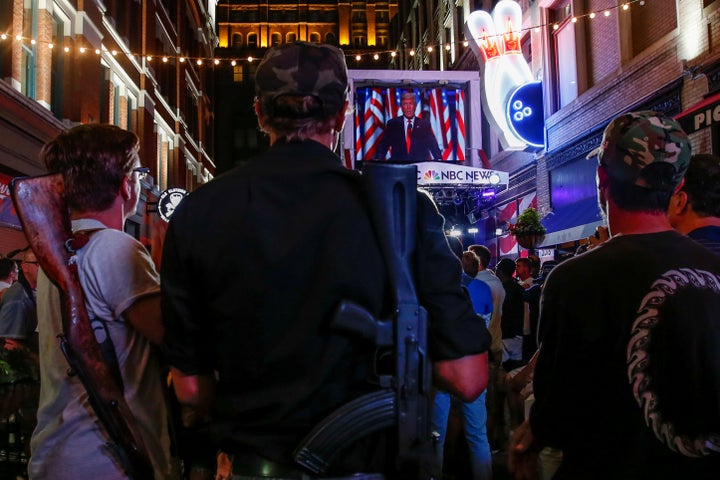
302,69
634,141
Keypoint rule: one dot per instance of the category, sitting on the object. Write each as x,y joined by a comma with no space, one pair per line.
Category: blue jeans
475,414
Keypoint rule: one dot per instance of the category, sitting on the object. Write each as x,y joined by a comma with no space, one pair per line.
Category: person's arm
195,393
465,377
145,317
186,339
522,454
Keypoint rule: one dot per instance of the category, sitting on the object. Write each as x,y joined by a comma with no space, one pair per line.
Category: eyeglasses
142,172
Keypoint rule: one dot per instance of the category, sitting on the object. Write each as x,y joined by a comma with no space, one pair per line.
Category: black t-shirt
254,266
638,313
513,309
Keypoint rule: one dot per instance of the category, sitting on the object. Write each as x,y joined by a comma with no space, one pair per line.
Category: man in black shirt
278,244
513,311
627,382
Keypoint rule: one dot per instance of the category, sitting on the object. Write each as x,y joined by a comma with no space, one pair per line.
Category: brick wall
43,72
632,83
17,29
604,50
651,22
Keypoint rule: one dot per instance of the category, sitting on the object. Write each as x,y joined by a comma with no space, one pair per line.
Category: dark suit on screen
423,145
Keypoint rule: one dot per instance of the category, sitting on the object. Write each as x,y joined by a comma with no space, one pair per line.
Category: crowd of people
606,367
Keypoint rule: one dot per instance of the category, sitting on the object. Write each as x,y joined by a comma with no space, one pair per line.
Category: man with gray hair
252,347
627,381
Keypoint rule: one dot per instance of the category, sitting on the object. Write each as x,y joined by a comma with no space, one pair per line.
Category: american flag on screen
438,103
369,122
460,125
445,125
392,103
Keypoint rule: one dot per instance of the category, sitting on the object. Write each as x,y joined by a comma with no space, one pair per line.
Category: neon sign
511,97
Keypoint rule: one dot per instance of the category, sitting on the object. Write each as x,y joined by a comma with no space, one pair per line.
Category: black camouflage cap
635,140
303,69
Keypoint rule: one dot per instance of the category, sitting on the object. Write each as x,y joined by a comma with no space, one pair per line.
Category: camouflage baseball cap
635,140
302,69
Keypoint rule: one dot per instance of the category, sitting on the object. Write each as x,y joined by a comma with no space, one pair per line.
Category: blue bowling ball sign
524,113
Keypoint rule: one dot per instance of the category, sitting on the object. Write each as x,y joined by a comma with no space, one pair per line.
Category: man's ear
340,119
258,111
125,188
679,202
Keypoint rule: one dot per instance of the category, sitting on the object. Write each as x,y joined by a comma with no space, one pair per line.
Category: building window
237,40
275,39
60,26
29,51
252,40
315,37
238,74
291,37
131,112
565,55
359,41
330,38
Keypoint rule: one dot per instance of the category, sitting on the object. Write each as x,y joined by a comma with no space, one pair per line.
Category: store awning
572,222
701,115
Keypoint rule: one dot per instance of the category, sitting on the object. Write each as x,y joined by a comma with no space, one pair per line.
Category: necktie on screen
407,138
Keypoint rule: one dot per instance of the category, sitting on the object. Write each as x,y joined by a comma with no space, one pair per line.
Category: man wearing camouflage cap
255,264
627,382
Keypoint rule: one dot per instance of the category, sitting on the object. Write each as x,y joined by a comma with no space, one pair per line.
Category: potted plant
528,229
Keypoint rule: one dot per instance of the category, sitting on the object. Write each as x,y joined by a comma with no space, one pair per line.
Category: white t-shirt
68,443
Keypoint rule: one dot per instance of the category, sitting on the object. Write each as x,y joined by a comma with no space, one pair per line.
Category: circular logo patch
169,200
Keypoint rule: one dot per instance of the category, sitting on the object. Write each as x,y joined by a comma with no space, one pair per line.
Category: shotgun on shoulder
44,215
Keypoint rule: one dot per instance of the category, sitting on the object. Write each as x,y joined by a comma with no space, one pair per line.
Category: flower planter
530,241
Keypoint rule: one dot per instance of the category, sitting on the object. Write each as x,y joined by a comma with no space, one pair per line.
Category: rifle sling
99,325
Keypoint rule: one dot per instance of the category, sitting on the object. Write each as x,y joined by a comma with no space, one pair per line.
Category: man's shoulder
13,292
479,285
658,251
113,237
514,286
489,278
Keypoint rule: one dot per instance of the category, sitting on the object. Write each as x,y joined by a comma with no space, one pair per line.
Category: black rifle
43,212
404,400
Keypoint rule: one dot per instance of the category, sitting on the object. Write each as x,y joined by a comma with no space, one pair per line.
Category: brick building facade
131,63
598,59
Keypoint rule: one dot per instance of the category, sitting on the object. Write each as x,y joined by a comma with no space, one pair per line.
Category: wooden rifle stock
41,207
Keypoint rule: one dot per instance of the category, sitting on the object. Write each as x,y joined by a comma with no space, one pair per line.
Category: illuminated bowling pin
488,47
496,40
507,16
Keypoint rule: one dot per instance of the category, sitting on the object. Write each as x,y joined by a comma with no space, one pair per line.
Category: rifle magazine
345,425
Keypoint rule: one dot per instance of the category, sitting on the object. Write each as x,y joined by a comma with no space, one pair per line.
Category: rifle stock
41,207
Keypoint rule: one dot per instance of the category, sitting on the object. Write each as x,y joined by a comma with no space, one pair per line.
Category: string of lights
358,57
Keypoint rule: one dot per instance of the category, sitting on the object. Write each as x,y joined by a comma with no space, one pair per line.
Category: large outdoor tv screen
443,106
